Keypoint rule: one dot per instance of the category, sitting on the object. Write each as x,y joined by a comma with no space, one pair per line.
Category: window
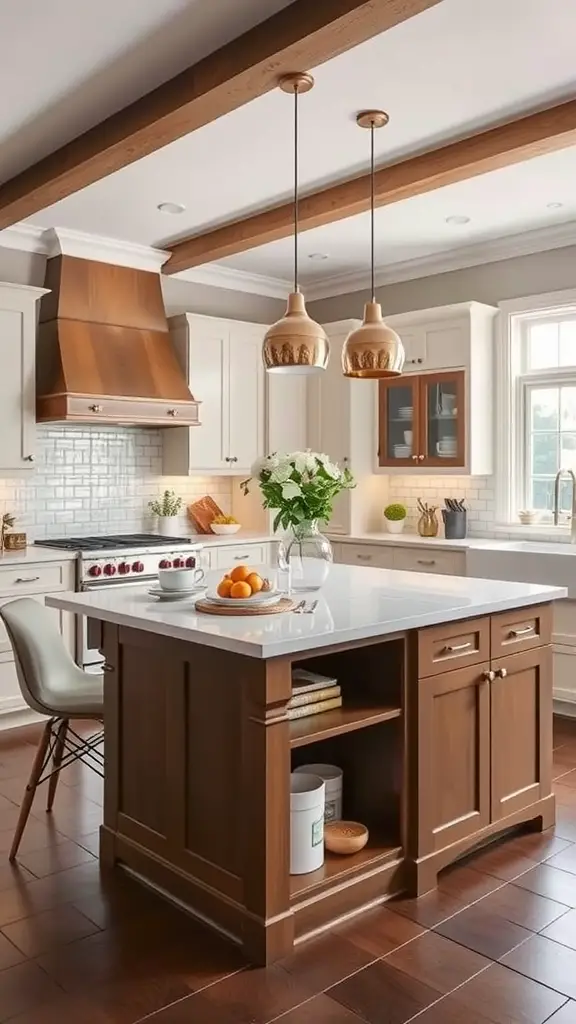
537,408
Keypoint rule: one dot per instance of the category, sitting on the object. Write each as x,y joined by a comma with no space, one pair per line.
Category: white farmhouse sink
526,562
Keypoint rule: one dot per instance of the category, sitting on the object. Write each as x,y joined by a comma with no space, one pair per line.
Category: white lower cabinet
564,648
38,582
249,554
448,563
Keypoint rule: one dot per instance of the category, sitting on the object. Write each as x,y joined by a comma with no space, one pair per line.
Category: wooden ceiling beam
301,36
530,136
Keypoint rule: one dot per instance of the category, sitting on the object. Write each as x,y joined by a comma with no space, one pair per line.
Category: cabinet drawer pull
26,579
514,633
425,561
488,676
108,668
241,558
364,558
457,647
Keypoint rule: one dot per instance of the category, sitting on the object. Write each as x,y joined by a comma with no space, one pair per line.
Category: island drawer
453,645
521,629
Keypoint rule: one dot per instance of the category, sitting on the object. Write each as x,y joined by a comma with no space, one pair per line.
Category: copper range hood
104,352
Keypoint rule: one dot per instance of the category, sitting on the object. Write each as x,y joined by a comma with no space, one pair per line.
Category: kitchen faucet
557,499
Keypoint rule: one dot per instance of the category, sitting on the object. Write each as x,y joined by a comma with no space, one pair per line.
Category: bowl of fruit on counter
243,587
224,525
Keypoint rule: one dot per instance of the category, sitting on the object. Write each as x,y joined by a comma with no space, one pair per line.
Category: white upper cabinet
223,365
244,412
18,376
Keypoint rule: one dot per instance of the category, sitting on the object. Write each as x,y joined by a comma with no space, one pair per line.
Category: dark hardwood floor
495,944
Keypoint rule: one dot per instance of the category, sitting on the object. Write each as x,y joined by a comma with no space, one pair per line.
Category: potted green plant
395,517
167,509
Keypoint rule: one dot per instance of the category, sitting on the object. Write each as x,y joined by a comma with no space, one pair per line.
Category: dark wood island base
444,737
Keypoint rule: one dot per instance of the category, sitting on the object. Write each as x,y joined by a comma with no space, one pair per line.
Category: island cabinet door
454,756
521,730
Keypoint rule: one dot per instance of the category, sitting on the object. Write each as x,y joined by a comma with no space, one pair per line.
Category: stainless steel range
120,561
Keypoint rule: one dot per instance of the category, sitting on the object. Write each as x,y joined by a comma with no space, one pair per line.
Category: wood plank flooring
495,944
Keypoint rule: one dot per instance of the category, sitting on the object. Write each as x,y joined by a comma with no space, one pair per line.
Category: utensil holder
455,524
428,524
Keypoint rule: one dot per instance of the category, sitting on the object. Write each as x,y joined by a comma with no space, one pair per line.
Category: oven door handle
109,585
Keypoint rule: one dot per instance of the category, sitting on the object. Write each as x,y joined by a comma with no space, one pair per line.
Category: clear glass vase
307,556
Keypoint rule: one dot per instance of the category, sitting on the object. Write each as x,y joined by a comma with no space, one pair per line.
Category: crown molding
65,242
216,275
524,244
25,237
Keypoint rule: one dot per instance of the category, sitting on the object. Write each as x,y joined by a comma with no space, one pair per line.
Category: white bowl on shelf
225,529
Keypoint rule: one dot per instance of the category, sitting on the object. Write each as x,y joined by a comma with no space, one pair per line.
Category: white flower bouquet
301,485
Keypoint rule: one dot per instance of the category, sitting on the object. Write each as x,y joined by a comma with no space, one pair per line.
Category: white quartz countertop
356,603
32,555
411,540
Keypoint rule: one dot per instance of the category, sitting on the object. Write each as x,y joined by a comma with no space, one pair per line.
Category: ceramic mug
179,579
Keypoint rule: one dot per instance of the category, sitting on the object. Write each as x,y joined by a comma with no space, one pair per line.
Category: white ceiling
452,70
68,64
502,203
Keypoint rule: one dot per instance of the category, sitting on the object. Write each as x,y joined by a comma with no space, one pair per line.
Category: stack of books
312,694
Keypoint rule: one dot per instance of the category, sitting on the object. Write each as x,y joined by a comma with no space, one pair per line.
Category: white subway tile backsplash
99,479
477,491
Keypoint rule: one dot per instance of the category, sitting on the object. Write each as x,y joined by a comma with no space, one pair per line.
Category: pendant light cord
372,283
296,143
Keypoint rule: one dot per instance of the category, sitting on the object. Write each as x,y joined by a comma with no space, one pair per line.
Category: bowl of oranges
243,586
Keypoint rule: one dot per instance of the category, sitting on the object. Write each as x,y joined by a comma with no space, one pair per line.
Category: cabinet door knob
95,408
415,457
172,412
421,458
502,672
419,360
488,676
29,458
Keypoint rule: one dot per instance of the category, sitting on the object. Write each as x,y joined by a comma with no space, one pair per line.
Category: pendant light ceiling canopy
373,351
296,343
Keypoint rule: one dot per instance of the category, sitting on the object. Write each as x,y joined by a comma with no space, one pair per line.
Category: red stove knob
137,567
124,568
190,563
178,563
94,570
165,564
109,569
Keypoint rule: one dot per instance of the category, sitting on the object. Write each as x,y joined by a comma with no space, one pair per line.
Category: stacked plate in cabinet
402,451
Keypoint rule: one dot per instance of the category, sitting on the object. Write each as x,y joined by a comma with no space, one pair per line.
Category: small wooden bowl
345,836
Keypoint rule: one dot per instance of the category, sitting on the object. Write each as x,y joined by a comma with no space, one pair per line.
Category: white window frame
510,390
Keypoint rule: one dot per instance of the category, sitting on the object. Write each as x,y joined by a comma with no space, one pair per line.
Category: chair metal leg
56,762
35,774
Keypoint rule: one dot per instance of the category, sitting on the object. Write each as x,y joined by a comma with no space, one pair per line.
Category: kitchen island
444,738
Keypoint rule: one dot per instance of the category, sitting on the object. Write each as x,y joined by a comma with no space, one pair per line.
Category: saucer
174,595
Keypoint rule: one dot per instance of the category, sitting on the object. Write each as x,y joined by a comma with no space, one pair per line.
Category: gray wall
18,267
492,282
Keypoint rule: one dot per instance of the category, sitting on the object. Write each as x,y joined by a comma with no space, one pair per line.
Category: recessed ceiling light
554,206
317,255
458,218
171,207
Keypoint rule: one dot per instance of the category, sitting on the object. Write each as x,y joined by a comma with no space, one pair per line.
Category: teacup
179,579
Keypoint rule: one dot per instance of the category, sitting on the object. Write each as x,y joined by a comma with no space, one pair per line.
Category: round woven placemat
285,604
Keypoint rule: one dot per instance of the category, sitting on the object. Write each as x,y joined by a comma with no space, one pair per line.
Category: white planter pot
394,525
168,526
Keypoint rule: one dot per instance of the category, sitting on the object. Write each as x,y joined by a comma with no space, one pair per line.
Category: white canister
332,776
306,823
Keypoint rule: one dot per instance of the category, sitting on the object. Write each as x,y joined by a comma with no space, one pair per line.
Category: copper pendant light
295,344
373,350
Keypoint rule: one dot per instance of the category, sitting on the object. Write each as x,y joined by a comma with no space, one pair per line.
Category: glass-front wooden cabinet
422,420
